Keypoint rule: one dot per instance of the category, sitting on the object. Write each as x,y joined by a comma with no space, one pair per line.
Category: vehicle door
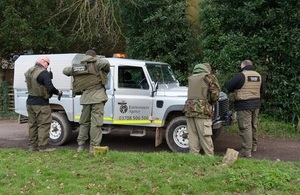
132,96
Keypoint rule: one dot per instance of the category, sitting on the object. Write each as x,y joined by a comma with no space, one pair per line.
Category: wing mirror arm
155,88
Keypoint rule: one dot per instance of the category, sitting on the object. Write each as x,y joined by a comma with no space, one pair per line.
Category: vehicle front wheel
60,130
177,136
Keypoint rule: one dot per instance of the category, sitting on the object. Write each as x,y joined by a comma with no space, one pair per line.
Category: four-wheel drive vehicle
143,96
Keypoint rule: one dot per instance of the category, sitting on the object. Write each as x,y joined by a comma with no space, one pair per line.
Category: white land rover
142,96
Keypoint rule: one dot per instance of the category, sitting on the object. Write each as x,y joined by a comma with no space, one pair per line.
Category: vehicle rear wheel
177,135
60,130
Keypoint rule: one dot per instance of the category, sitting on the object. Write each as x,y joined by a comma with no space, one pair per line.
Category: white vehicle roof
132,62
58,62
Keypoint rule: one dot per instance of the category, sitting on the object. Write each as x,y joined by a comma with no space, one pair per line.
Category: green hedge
264,31
268,33
4,98
159,30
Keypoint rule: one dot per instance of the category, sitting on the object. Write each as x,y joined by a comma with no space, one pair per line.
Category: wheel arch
56,107
171,113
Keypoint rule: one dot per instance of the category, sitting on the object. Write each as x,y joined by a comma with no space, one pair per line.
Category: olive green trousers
39,121
248,122
91,120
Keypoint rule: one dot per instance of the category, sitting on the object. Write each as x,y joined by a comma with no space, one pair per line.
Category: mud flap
22,119
158,136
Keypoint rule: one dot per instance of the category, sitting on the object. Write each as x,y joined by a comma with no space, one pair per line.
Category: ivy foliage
27,26
264,31
4,97
159,30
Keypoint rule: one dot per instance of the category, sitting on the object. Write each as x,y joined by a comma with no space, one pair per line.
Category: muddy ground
15,135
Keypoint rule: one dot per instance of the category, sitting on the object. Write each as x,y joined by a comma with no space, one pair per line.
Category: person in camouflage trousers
203,92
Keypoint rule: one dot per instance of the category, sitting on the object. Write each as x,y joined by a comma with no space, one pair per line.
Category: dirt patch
15,135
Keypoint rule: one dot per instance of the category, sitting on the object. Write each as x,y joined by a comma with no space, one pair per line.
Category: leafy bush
159,30
4,97
267,32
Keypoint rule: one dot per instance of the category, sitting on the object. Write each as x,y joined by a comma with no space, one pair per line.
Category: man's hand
60,93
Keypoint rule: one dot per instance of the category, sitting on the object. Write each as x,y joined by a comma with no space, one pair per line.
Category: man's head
91,53
246,63
44,61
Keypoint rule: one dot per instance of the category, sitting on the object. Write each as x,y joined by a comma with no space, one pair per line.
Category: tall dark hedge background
264,31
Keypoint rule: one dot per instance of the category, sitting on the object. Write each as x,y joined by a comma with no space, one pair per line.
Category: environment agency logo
123,108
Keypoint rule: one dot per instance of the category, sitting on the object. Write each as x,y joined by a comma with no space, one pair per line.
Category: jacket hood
200,68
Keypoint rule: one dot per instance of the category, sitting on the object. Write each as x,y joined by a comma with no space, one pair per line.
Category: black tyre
60,130
216,133
177,135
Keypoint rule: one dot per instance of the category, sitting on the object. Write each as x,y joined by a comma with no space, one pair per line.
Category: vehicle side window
132,77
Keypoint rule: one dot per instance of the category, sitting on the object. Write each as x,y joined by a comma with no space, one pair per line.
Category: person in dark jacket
247,89
40,89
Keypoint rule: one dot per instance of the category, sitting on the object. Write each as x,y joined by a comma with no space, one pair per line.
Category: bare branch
95,19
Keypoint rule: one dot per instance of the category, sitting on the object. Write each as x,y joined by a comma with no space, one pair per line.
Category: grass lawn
68,172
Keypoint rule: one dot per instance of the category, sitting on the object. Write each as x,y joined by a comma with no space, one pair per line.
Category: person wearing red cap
40,89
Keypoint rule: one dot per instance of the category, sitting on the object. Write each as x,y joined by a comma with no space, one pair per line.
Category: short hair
90,52
247,62
43,58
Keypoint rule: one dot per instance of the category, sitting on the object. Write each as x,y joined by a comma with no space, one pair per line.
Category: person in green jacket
91,85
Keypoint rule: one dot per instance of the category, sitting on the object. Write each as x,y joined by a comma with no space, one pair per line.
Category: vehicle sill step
106,130
138,133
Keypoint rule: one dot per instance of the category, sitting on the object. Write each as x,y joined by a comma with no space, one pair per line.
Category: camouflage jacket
203,108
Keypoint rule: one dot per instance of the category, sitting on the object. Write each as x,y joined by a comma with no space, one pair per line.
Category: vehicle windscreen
161,73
